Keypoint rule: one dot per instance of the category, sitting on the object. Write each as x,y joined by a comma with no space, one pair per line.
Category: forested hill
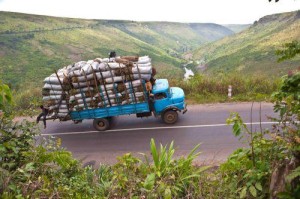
32,46
253,50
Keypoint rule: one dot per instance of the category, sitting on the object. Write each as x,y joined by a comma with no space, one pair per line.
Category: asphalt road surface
205,124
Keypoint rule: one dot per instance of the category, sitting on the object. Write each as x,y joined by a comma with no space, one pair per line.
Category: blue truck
160,101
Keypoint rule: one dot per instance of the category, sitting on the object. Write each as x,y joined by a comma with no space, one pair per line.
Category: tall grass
27,100
214,88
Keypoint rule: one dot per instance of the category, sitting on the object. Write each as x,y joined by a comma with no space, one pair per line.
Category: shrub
164,178
261,170
40,168
287,104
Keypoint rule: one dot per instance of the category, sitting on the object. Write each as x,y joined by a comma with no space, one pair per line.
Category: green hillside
253,50
32,46
237,27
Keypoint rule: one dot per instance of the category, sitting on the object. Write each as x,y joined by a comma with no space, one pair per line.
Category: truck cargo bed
110,111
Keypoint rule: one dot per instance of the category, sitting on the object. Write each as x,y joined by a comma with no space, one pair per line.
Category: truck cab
167,101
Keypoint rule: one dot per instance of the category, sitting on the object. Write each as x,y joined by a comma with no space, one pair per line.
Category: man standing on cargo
43,114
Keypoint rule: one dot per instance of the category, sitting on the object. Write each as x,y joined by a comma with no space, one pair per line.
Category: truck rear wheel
101,124
170,117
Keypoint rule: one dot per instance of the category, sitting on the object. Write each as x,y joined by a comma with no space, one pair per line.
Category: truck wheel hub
101,124
170,117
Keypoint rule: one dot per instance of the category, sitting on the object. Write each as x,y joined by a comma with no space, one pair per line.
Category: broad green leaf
258,186
243,192
149,181
190,176
168,194
20,170
158,173
2,148
295,173
237,129
193,151
253,191
19,196
154,153
29,166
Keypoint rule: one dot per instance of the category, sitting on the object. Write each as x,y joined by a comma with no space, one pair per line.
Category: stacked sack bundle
96,83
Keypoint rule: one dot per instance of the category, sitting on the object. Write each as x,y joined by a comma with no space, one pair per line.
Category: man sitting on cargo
44,114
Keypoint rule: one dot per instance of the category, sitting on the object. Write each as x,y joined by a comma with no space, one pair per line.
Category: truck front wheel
101,124
170,117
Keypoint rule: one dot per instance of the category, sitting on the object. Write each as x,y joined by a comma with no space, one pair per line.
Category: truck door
161,101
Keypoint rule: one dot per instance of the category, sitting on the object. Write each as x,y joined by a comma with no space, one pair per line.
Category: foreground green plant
272,158
247,172
166,177
287,104
48,171
40,168
28,169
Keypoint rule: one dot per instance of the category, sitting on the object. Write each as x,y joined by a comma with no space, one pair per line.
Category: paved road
201,124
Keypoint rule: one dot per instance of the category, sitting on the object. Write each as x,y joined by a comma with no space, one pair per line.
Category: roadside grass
27,100
214,88
218,98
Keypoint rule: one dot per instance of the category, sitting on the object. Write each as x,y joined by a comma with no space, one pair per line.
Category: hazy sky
215,11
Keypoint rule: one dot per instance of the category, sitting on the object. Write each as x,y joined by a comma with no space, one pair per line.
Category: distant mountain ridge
253,50
237,27
32,46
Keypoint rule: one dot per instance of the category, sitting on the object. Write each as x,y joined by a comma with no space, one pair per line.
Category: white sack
53,80
111,96
144,60
107,86
51,97
83,89
62,114
53,92
52,87
112,101
87,100
114,79
143,76
142,70
134,83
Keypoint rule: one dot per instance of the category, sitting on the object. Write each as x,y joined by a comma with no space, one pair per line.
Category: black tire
170,117
101,124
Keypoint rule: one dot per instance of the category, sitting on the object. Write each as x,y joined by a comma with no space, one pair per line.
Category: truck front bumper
185,109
